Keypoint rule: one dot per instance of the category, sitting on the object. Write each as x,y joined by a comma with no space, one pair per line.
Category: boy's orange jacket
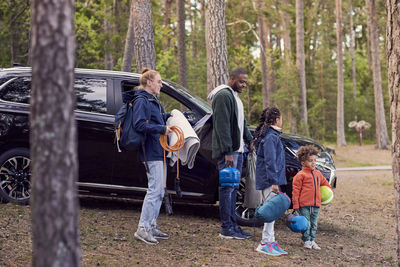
306,190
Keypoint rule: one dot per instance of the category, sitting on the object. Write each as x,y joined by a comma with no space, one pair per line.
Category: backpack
126,135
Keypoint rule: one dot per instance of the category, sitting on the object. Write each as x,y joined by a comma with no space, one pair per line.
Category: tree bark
300,62
382,138
127,59
180,10
217,59
353,63
393,57
53,136
144,35
341,140
257,4
167,22
286,34
108,29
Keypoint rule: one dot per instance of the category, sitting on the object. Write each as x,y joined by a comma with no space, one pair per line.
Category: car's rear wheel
15,176
245,215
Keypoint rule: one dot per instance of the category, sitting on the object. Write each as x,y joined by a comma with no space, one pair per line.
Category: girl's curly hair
306,151
267,118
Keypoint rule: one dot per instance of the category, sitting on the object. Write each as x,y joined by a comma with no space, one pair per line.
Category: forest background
102,25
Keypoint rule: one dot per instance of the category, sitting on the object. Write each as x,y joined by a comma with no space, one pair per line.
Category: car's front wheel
15,176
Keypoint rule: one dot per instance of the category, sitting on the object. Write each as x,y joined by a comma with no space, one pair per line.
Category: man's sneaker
278,248
231,234
267,249
158,234
308,244
239,230
315,245
146,236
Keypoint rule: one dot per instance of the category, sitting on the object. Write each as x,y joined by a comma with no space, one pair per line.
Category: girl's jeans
311,213
227,196
154,196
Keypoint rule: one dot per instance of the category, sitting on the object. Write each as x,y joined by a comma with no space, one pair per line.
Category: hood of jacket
216,90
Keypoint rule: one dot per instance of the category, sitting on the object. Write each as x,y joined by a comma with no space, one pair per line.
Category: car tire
15,176
244,215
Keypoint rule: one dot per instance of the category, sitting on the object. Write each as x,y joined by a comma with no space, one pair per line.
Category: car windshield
196,99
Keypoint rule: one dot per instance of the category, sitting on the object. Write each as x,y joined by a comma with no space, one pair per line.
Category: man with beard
229,134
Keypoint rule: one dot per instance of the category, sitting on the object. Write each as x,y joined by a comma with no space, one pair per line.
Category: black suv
102,169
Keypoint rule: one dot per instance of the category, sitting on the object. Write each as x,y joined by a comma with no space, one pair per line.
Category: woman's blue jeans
311,214
154,196
227,195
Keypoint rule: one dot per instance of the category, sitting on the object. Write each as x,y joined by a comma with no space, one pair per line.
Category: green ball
326,195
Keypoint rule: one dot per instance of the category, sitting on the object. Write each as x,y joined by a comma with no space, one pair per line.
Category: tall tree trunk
341,140
217,59
300,64
127,59
393,57
286,34
167,22
180,10
353,63
271,85
53,136
108,29
382,138
144,35
287,52
257,4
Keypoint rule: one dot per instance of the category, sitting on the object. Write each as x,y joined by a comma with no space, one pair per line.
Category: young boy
306,195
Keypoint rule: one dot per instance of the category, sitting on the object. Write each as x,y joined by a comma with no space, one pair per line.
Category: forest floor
358,228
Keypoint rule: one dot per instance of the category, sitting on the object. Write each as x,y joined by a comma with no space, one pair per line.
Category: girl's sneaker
267,249
278,248
315,245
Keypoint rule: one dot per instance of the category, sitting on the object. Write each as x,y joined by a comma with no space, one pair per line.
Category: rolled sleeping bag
274,208
229,177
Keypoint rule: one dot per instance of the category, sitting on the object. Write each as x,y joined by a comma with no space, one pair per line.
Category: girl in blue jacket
152,127
270,170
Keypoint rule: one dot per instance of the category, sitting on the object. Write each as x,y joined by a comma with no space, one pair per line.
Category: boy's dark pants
311,213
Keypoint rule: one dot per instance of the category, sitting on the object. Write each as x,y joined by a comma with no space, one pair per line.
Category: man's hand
275,188
251,147
229,160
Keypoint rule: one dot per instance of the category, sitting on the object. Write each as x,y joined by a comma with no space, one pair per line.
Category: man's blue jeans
227,195
154,196
311,213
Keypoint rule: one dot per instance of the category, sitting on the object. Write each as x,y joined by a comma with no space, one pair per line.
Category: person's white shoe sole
144,240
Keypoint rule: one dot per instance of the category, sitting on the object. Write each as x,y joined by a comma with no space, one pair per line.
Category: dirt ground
358,228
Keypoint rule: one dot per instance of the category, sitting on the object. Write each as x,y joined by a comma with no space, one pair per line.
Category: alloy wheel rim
15,178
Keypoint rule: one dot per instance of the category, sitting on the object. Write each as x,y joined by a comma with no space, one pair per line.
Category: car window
169,103
17,90
91,94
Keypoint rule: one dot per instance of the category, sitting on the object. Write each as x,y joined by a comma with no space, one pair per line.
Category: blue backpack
126,135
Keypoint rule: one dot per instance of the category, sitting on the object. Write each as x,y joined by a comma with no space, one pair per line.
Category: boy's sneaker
158,234
308,244
278,248
267,249
245,234
145,235
231,234
315,245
